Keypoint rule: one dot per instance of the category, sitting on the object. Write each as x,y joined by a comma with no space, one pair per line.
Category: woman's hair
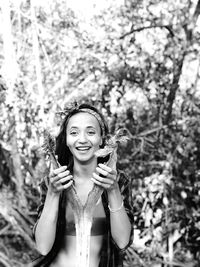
62,150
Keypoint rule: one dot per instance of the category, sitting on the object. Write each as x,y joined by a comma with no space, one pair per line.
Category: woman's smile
83,148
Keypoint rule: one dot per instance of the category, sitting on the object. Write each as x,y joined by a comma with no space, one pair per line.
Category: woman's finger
59,170
56,177
68,184
108,169
60,187
63,174
63,180
103,180
106,186
105,167
102,172
111,175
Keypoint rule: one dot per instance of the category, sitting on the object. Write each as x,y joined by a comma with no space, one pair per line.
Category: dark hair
62,151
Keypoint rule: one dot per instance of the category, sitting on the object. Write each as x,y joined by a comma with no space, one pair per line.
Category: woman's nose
82,137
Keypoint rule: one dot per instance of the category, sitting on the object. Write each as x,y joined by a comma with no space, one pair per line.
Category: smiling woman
82,134
83,137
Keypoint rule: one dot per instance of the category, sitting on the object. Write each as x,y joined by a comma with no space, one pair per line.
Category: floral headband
87,110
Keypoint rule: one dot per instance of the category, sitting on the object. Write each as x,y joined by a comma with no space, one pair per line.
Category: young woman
82,133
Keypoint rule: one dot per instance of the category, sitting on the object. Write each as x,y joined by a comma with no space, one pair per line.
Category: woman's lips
83,148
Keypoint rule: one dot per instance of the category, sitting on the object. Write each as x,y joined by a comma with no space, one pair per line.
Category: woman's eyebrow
76,127
73,127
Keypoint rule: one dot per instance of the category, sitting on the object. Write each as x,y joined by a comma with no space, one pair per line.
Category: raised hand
60,179
105,177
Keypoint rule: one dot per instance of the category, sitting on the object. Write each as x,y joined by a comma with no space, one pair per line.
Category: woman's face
83,136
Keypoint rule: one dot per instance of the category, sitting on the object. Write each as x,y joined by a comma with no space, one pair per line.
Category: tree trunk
38,69
16,159
188,28
9,68
10,71
174,86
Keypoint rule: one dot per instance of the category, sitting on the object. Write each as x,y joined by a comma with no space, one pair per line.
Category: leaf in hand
112,143
49,144
103,152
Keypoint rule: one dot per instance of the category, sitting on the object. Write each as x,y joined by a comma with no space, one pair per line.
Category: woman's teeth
82,148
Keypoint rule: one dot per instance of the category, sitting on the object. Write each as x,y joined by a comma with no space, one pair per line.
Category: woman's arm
46,226
119,220
45,229
121,215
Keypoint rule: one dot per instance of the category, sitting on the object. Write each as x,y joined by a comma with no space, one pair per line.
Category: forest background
137,61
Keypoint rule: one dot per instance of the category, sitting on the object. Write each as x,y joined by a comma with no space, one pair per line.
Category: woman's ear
101,142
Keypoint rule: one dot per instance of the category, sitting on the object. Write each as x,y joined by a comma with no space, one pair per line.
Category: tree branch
196,12
168,27
4,260
145,133
4,229
174,86
190,25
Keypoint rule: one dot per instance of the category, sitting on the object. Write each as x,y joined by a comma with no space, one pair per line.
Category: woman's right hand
60,179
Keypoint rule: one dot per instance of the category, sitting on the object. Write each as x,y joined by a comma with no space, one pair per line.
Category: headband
90,111
97,116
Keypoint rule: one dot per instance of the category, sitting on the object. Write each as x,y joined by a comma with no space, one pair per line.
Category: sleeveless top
99,227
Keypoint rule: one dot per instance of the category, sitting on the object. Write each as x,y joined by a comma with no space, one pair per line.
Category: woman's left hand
105,177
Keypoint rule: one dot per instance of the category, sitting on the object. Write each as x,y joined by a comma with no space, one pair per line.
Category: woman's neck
84,171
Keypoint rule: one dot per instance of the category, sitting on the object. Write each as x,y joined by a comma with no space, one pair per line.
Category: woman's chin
86,159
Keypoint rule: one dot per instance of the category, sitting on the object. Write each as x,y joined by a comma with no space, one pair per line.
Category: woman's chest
98,210
98,226
98,219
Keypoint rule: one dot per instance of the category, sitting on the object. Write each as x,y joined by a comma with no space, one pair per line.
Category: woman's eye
73,133
91,132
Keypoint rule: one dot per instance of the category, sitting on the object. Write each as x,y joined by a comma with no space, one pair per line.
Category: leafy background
137,61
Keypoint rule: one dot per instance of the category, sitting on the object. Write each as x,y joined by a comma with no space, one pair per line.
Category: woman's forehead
83,119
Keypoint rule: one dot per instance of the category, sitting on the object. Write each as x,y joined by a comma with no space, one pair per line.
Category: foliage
139,61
